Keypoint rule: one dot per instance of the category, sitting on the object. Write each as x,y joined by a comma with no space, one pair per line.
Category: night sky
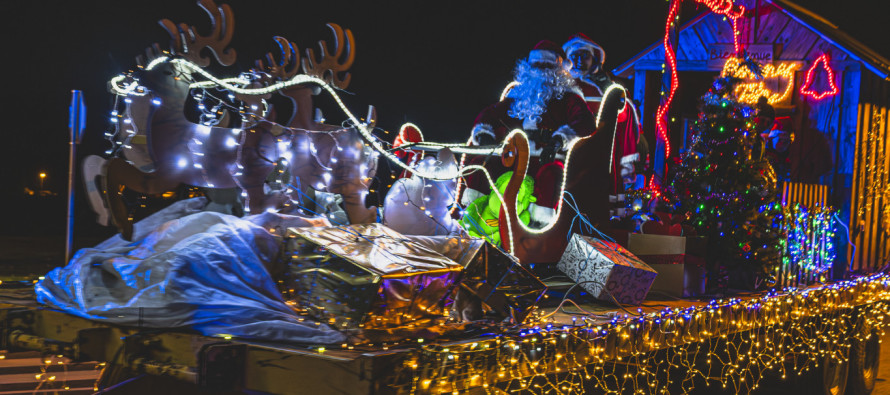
435,64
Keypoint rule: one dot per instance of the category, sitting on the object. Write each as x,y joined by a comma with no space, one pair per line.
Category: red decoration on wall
721,7
408,133
671,60
732,11
806,87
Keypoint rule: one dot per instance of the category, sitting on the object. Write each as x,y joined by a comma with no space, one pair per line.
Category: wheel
865,357
829,378
834,372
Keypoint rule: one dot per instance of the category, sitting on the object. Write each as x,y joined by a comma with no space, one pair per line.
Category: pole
76,123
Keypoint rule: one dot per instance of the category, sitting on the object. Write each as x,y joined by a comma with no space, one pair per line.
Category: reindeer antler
188,44
329,67
151,53
287,67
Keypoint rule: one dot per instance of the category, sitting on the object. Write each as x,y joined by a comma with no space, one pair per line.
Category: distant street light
42,177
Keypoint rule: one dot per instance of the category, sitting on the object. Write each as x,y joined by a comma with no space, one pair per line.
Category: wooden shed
834,91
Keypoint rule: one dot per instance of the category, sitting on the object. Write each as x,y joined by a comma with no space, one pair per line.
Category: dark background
432,63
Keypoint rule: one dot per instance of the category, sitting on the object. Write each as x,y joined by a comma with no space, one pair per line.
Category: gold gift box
494,285
367,276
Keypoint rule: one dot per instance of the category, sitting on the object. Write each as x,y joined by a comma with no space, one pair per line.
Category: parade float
286,276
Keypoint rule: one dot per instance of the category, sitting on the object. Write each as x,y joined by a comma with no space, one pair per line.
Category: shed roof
815,23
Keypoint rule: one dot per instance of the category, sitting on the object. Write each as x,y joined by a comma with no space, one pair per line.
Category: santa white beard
536,87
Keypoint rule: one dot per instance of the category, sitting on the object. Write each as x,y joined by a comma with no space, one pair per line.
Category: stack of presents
371,278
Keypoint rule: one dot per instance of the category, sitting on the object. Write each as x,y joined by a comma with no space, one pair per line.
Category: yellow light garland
739,340
754,86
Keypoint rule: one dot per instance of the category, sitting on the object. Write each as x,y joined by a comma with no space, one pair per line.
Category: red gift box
671,248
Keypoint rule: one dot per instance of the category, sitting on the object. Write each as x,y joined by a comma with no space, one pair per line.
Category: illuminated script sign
718,54
776,83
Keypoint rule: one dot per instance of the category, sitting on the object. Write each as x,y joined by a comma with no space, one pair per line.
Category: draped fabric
187,269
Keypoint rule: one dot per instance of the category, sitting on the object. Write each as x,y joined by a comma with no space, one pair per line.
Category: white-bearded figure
630,155
546,104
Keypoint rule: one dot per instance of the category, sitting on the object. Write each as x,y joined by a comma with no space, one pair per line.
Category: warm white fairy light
229,84
613,89
507,90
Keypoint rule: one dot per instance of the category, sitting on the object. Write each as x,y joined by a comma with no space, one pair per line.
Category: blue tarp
187,268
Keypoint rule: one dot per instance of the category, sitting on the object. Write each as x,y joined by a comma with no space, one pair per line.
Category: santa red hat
783,124
547,52
580,42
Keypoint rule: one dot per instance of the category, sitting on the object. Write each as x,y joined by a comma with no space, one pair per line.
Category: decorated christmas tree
727,189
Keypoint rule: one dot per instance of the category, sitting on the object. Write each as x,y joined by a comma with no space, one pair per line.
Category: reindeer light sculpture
306,157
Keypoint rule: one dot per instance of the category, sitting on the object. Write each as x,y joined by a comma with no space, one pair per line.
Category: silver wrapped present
606,270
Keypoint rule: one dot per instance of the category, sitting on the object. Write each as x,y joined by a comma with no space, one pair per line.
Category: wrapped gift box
494,284
606,270
367,276
677,259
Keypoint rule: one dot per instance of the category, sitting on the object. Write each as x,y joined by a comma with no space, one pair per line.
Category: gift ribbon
585,225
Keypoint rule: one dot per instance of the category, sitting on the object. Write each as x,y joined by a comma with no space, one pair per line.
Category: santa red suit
554,122
631,150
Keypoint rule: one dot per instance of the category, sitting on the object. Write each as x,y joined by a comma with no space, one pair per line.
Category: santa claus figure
778,138
546,103
631,151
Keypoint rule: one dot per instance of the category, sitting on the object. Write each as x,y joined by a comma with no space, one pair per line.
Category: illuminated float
309,293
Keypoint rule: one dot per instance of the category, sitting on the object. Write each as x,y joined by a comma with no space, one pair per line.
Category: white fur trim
542,56
529,124
634,157
481,129
585,80
578,43
577,90
469,196
627,163
566,133
541,215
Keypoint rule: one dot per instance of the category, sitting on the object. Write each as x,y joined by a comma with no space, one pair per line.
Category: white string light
296,80
232,84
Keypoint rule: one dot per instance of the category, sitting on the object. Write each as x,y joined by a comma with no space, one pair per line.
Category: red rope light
824,60
671,60
731,11
722,7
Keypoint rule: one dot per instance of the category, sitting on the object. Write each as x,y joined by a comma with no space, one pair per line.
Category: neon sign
805,88
755,86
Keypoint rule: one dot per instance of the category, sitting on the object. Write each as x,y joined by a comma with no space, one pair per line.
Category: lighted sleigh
579,196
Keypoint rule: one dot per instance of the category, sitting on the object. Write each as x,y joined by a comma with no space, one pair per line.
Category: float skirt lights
738,341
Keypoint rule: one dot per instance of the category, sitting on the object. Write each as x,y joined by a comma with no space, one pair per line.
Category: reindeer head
169,73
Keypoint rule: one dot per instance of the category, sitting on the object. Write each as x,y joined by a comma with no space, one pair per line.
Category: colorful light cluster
810,249
805,89
739,340
754,86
